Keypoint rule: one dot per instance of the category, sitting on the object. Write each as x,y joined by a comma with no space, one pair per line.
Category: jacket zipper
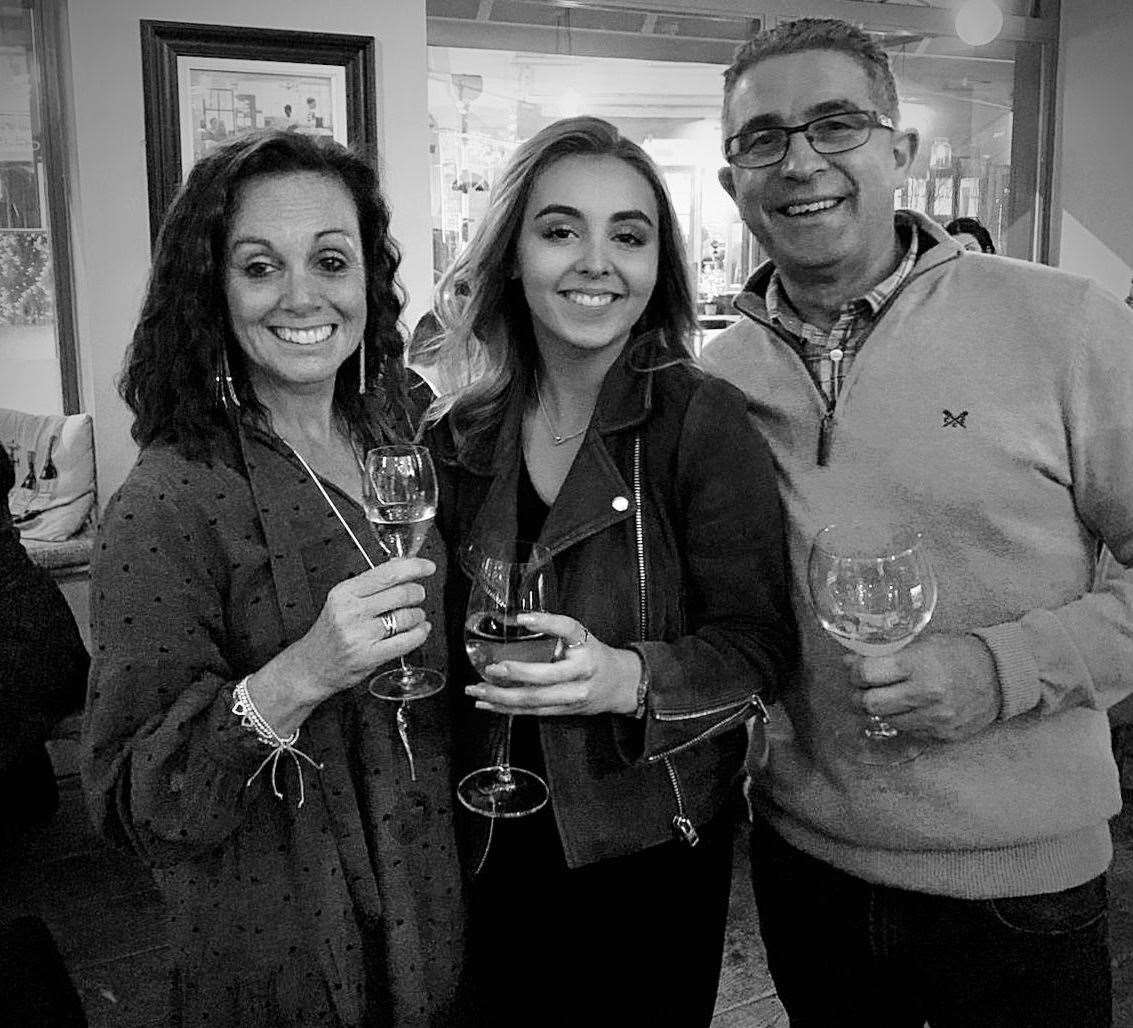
638,523
748,701
826,427
740,715
682,825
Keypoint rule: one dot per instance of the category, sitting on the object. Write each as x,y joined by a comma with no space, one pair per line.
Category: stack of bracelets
254,721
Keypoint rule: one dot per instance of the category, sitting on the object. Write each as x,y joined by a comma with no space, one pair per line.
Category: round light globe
978,21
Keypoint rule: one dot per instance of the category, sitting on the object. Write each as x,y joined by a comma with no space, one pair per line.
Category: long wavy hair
483,349
170,375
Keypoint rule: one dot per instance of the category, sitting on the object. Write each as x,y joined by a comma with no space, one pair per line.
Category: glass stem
402,719
505,754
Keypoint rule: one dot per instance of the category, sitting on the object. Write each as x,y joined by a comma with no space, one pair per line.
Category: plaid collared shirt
829,354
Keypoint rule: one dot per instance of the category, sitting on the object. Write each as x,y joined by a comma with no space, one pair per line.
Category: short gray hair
805,34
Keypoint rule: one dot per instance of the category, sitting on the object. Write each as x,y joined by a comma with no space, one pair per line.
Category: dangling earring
362,367
225,390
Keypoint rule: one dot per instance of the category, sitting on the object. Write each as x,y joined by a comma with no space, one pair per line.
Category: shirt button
619,503
836,354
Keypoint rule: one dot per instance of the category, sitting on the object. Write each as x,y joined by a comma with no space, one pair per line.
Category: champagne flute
874,590
509,577
399,492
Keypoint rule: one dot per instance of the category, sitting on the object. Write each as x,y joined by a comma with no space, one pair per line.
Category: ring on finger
581,641
389,623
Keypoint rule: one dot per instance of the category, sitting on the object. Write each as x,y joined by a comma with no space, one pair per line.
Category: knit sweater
992,407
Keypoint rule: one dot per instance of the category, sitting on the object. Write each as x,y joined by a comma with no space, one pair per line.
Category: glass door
498,72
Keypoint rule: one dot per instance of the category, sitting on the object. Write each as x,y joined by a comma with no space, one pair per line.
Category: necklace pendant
556,439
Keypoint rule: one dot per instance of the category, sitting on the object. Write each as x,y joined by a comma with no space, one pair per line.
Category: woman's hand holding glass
348,639
589,677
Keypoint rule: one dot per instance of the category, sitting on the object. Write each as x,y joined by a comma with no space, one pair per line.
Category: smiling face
295,281
823,218
587,254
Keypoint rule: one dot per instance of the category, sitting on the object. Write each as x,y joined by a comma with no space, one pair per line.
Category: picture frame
204,84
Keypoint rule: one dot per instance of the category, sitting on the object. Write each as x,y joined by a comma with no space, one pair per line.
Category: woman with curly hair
300,830
577,419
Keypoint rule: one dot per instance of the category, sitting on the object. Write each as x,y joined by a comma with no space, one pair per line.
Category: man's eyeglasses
832,133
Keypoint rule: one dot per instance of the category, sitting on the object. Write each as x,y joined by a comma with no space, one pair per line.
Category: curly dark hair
170,375
805,34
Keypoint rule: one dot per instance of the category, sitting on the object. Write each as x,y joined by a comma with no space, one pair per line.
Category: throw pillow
54,462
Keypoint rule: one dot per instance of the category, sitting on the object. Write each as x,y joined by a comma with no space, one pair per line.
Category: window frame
47,74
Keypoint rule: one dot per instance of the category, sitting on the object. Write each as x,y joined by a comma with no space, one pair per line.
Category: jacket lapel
595,494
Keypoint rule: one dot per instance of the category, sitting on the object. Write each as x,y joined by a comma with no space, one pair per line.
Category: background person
967,886
970,234
584,425
43,674
235,617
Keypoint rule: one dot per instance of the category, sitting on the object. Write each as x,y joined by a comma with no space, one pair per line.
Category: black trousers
634,940
846,952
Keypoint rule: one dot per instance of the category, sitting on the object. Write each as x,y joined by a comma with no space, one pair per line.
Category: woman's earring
225,390
362,367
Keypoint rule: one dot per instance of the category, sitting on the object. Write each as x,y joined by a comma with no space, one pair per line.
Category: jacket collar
624,402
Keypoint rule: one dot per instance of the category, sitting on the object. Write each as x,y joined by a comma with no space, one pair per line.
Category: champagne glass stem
402,719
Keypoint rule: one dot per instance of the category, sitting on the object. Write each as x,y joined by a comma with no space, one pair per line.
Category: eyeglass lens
835,133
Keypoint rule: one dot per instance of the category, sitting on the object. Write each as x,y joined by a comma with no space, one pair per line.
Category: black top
531,513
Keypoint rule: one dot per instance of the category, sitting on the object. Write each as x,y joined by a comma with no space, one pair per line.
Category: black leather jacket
712,619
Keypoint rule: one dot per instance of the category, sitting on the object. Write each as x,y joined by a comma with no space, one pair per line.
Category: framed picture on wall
206,84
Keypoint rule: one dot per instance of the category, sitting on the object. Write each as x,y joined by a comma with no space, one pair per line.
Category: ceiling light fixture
978,21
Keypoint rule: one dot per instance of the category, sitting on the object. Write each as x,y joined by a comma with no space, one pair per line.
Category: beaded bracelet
250,718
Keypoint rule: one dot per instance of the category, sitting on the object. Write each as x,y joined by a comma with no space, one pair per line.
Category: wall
1093,195
110,208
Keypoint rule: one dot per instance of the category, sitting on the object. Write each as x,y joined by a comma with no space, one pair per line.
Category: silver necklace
326,496
556,439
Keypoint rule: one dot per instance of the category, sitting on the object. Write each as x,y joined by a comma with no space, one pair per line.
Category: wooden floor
106,919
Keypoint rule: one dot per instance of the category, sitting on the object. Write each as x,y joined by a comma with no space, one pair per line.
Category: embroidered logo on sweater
955,420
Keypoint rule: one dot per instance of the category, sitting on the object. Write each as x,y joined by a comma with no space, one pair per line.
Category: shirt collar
780,308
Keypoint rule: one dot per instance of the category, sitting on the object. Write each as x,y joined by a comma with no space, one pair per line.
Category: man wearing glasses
989,404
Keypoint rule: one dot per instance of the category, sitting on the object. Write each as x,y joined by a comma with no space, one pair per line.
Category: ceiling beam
935,20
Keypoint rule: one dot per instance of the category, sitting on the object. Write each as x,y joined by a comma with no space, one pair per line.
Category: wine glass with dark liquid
509,577
399,493
873,590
